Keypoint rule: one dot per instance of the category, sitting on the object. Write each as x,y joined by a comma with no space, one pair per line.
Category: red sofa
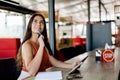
9,47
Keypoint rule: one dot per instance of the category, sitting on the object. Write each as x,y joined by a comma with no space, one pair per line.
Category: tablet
77,66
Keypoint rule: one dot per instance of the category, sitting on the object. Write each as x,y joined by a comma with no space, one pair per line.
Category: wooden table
92,70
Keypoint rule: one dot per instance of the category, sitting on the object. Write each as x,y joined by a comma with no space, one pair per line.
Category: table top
92,70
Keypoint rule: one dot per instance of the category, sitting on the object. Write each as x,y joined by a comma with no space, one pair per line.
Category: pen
39,32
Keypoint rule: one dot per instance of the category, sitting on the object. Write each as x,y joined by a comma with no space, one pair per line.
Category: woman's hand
75,63
41,41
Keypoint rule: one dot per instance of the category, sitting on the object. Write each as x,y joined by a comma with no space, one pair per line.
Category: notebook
54,75
77,66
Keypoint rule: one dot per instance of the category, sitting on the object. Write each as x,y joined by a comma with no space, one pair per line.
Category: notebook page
54,75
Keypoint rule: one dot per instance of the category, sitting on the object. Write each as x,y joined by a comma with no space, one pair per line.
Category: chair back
8,69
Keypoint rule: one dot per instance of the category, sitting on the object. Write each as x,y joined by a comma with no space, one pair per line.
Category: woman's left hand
75,63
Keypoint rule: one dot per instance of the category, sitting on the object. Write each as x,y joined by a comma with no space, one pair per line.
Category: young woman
35,53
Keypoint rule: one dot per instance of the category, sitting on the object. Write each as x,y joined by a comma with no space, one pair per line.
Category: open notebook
54,75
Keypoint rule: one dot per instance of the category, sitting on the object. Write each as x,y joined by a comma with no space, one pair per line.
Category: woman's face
37,24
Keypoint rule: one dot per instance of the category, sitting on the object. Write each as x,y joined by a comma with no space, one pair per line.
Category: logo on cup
108,56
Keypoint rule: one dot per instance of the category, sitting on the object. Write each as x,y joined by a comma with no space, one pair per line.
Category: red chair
79,41
9,47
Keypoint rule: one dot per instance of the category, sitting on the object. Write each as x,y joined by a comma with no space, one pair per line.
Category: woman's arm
58,63
32,64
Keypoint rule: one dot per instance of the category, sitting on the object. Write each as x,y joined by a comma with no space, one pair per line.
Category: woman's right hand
41,41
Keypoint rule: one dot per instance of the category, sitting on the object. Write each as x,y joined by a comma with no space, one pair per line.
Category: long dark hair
28,35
